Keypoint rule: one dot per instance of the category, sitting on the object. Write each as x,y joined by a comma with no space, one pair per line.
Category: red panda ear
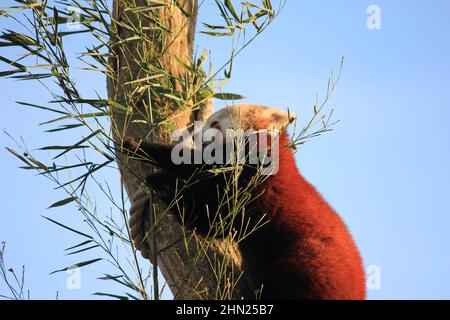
279,119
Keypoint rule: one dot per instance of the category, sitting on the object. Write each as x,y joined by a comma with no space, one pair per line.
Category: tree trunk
188,274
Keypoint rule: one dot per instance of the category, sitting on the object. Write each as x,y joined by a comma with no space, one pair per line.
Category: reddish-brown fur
304,252
307,250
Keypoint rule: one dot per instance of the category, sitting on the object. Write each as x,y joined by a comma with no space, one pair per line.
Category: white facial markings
248,117
240,129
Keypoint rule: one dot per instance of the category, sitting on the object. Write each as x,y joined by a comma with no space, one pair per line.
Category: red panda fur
308,251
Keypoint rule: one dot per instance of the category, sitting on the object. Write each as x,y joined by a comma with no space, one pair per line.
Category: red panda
305,251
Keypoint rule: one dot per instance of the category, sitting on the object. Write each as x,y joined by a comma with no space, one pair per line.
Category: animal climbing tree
155,83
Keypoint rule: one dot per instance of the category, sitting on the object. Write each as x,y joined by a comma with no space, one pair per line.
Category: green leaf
228,73
63,202
111,295
18,39
78,265
228,96
117,106
66,127
93,169
217,34
63,147
213,27
69,33
17,9
230,8
69,228
9,72
146,78
78,245
15,153
69,116
35,76
171,96
28,160
119,279
55,169
78,145
14,64
41,107
132,296
223,13
267,4
84,249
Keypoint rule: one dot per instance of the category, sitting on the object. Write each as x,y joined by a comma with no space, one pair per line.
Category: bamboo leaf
18,39
85,115
117,105
111,295
70,33
69,228
171,96
15,153
78,265
87,174
228,96
230,8
213,27
40,107
55,169
13,63
223,12
66,127
33,76
9,72
81,250
79,145
119,279
63,147
132,296
78,245
63,202
17,9
217,34
146,78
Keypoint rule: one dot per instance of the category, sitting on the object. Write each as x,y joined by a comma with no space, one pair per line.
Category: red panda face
247,117
244,133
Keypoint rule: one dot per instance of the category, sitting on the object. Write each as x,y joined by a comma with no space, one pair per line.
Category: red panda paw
131,144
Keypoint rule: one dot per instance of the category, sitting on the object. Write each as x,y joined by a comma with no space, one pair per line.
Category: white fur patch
248,116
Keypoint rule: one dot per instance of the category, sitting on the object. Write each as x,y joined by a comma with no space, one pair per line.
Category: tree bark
188,275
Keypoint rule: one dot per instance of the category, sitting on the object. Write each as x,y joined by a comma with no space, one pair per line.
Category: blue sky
385,167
